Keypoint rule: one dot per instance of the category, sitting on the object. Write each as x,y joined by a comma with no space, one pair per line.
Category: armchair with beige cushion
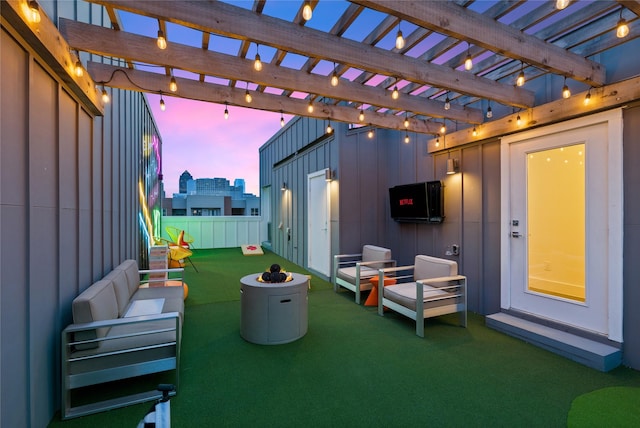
435,280
353,271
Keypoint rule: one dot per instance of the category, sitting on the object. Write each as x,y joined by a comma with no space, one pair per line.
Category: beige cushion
433,267
96,303
405,295
371,253
130,268
121,288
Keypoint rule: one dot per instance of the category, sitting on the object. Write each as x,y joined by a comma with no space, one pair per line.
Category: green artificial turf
354,368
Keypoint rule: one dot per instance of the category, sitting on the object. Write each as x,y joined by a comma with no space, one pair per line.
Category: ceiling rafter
222,18
144,81
456,21
109,43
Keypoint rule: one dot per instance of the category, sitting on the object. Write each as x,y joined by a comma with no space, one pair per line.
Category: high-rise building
184,178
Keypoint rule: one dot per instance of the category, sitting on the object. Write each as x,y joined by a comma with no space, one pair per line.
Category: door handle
515,234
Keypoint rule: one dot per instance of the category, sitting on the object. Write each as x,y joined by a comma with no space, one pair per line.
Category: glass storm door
556,217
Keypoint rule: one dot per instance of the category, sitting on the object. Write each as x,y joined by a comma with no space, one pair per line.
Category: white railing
218,231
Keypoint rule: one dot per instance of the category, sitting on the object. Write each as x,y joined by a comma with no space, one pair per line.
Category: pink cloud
196,137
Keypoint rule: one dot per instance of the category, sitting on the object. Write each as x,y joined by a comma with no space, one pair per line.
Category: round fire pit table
273,313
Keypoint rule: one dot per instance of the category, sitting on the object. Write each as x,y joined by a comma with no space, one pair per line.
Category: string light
281,119
438,140
307,12
34,12
406,120
561,4
474,132
310,107
329,128
257,63
406,138
361,116
334,76
173,85
78,70
226,111
587,98
622,29
163,107
518,120
247,96
443,128
566,93
399,39
370,133
468,62
520,80
105,95
447,103
161,41
489,112
395,94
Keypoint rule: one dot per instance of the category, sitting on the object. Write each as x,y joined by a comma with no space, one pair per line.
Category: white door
562,223
318,223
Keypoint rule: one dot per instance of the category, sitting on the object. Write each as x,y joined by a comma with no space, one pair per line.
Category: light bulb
443,129
406,122
281,121
334,79
307,12
399,40
310,107
395,94
468,63
257,63
247,97
226,112
105,96
438,141
34,12
447,103
79,71
623,29
474,132
361,116
566,93
162,105
406,138
173,85
161,41
489,113
520,79
561,4
587,98
370,133
518,121
329,128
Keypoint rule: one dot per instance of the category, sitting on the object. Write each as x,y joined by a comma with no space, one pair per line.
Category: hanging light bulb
474,132
361,116
334,79
566,93
438,140
406,121
587,98
329,128
468,62
105,96
162,105
406,138
307,12
447,103
395,94
173,85
310,107
399,40
247,96
561,4
257,63
443,129
489,112
370,133
161,41
520,80
281,119
622,29
78,70
33,13
518,120
226,111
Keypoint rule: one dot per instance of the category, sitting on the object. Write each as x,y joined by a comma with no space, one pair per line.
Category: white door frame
319,224
614,186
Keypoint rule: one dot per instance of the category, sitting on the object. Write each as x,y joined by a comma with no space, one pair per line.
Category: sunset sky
197,138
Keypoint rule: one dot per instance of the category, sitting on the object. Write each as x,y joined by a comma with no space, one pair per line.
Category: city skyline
196,137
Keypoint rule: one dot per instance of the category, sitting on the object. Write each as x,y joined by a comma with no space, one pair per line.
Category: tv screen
417,202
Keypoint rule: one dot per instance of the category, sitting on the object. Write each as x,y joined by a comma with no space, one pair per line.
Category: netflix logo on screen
417,202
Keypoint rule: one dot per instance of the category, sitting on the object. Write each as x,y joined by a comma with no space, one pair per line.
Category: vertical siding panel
85,180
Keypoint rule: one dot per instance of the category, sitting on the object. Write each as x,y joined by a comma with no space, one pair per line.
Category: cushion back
433,267
121,287
130,268
96,303
371,253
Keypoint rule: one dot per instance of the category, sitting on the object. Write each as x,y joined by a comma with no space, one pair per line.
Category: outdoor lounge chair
353,271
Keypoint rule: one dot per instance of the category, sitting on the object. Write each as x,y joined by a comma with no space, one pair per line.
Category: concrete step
585,351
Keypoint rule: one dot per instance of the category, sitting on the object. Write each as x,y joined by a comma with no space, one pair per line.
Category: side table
372,300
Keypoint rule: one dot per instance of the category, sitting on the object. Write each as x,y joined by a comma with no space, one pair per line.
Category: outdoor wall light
452,166
284,186
328,175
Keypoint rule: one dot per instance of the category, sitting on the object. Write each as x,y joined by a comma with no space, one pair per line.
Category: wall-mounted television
417,202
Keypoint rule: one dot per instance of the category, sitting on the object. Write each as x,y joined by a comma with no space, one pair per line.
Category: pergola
458,59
